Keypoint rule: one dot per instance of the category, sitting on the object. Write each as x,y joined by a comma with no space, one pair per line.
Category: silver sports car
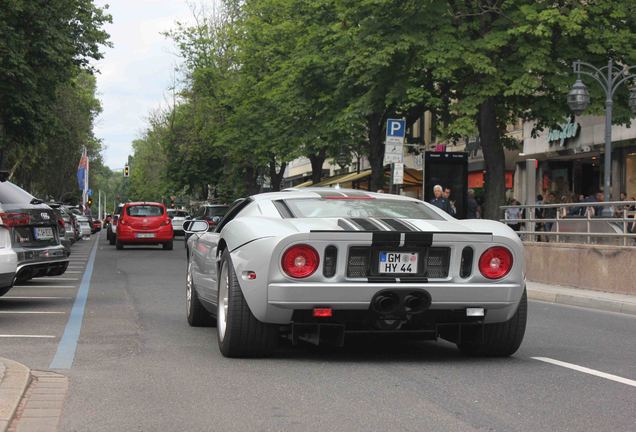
318,264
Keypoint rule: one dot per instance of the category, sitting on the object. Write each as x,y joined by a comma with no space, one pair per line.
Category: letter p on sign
395,128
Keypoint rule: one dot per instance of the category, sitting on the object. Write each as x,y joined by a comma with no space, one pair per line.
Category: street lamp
579,98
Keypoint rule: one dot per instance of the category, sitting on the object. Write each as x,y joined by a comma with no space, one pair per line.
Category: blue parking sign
395,128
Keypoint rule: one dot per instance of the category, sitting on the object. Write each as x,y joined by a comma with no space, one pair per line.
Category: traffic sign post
394,149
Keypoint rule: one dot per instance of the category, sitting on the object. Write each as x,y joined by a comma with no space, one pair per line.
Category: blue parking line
65,354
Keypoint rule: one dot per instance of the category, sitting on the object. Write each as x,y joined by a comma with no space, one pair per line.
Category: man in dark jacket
439,201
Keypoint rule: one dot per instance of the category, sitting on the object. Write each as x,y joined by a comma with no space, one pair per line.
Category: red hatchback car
143,223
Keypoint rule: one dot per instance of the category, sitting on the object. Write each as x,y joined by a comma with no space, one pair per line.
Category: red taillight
14,219
323,312
60,222
300,261
166,222
121,221
495,262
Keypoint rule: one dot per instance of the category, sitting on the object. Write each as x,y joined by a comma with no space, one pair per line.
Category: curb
586,301
12,387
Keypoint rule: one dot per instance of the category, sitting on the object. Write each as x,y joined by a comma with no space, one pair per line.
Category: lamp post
610,78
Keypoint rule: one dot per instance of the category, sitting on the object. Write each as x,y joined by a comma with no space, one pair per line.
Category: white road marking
27,336
583,369
56,278
32,312
33,298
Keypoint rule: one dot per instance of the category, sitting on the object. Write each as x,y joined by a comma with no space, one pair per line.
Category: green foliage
267,81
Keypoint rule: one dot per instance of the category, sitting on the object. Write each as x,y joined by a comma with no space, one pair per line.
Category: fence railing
611,222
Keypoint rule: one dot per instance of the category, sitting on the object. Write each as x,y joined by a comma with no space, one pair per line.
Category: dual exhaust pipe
400,302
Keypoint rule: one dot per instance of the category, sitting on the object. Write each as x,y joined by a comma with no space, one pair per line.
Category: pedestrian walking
451,203
472,206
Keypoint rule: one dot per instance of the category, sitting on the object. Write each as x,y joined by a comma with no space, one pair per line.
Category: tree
42,47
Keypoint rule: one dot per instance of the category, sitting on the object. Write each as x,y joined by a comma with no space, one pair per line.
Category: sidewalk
580,297
14,380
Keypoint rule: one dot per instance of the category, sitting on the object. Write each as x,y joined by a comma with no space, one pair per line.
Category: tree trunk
317,161
276,177
251,174
376,151
494,160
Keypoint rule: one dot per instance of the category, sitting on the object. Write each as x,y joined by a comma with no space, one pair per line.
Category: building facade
570,159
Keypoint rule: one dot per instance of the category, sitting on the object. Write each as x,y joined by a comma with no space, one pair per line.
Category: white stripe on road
55,278
27,336
583,369
32,312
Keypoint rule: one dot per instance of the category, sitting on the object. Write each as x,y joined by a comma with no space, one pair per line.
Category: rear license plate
145,235
43,233
397,262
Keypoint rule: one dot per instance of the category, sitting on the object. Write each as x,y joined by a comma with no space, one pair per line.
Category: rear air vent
331,258
358,263
466,266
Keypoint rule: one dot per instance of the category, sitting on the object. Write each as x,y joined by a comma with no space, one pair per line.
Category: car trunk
144,220
32,227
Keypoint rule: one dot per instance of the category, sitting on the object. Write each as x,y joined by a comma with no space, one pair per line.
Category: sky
137,72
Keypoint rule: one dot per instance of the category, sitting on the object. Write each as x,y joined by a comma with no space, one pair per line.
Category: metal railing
611,222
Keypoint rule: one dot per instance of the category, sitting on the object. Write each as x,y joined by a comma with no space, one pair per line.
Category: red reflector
323,313
251,275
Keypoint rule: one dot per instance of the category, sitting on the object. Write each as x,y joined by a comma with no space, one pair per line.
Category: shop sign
565,132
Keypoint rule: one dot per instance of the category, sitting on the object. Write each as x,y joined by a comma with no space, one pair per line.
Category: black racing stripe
345,226
397,225
418,239
377,279
385,238
366,224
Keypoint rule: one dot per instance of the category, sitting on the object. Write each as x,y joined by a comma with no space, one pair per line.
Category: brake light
14,219
166,222
300,261
495,262
323,312
122,221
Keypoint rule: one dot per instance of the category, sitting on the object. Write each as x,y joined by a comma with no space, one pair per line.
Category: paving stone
41,412
37,425
43,404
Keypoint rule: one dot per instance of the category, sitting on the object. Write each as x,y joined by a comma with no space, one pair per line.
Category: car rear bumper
500,300
130,235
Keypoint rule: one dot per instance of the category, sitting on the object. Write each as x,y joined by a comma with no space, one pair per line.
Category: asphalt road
140,367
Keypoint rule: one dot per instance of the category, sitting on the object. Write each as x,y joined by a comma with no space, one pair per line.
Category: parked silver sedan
319,264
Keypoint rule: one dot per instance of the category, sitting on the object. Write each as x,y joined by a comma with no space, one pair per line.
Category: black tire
5,290
169,245
113,239
197,314
244,335
500,339
119,245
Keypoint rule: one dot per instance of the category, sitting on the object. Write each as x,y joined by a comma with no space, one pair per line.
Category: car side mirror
195,226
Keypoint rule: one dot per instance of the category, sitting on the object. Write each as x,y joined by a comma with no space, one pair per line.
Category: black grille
436,262
466,266
358,263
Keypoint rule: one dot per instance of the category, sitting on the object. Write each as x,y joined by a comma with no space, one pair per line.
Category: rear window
216,211
359,208
12,194
177,213
144,211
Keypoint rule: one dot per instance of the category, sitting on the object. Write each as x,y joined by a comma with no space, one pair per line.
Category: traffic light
90,202
126,171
